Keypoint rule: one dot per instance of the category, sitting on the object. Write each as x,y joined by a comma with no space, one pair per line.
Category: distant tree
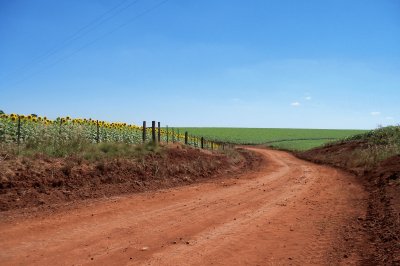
1,112
34,115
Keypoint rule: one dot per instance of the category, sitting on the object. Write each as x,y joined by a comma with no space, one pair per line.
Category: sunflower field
39,131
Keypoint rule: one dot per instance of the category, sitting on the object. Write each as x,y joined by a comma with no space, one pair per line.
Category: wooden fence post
173,135
19,131
167,135
97,132
153,131
159,132
202,142
186,138
144,132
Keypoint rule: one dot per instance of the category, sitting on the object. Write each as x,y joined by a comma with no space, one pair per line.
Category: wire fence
28,129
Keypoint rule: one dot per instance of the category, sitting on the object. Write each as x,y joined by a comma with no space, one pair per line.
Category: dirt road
290,212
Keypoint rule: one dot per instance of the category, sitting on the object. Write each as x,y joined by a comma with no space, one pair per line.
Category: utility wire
145,12
106,16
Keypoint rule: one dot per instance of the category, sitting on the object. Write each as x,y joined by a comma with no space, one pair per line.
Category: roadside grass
79,148
379,144
362,151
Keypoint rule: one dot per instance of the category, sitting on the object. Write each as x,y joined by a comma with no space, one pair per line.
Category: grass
380,144
282,138
299,145
360,152
80,148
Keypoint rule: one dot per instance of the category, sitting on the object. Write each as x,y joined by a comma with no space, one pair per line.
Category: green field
283,138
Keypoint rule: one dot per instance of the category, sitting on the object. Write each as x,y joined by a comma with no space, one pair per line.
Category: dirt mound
382,181
29,182
338,155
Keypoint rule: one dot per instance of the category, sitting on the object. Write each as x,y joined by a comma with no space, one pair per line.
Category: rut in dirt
287,212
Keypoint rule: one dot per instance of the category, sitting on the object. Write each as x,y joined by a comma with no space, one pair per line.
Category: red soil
286,212
39,182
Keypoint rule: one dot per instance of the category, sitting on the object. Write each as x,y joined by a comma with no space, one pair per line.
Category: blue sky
258,63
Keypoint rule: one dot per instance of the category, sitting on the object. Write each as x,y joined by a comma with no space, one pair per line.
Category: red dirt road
289,212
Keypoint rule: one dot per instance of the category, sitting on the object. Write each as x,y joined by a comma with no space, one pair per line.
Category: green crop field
283,138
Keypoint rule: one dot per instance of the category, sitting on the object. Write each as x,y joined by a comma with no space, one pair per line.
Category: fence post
212,145
186,137
178,136
173,135
202,142
167,135
19,131
97,132
159,132
144,132
153,131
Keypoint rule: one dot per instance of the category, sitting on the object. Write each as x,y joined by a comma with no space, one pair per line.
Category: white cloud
389,118
308,98
375,113
295,104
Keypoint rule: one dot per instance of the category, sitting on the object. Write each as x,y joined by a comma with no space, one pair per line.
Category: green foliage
381,144
381,136
283,138
299,145
64,136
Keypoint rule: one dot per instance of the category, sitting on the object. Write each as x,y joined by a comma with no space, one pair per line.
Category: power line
145,12
117,9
